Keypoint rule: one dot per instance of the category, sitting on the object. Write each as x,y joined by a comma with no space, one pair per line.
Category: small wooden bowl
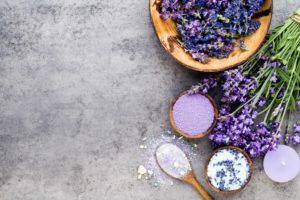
200,135
167,35
231,191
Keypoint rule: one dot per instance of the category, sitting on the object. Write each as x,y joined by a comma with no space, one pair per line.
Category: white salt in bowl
245,170
193,115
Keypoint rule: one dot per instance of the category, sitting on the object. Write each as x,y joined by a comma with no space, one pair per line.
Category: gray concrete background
81,82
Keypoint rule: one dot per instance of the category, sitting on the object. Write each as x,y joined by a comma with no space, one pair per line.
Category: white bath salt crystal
176,164
143,146
150,172
142,170
195,145
144,139
139,176
169,132
183,172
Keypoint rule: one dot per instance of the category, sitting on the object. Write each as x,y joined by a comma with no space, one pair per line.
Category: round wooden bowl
231,191
167,35
200,135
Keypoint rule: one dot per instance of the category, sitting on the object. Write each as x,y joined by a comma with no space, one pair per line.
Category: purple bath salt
193,114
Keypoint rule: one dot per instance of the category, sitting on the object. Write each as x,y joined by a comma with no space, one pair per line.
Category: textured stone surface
81,82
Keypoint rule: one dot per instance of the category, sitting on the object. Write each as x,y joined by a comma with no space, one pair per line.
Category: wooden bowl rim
216,69
231,191
199,135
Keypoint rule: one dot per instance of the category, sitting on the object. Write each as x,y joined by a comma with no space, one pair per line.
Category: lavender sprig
204,86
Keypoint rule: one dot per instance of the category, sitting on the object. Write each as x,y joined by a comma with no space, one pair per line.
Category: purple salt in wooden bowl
193,115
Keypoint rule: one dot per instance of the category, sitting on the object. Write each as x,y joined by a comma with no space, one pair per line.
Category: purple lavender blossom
204,86
239,131
262,101
282,92
293,138
237,87
298,103
210,28
274,77
297,127
242,45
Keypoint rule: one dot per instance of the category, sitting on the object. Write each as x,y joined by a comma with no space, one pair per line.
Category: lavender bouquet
259,94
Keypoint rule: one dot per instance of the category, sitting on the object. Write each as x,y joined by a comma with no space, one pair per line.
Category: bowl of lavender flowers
211,35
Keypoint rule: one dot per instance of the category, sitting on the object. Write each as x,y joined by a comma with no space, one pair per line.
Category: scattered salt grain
143,146
142,170
150,172
143,173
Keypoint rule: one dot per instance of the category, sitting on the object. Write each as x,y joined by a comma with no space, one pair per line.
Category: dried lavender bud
242,45
210,28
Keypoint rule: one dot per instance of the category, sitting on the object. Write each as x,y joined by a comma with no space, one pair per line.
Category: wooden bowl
167,35
231,191
200,135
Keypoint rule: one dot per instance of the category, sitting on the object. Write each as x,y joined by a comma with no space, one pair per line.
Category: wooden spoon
173,161
167,34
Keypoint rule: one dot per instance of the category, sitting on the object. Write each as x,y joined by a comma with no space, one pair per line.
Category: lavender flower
242,45
237,87
210,28
293,138
204,86
297,127
239,131
262,101
274,77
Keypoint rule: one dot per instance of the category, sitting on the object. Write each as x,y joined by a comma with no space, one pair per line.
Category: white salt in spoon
173,161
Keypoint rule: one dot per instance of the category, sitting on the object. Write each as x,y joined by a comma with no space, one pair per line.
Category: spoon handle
195,183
